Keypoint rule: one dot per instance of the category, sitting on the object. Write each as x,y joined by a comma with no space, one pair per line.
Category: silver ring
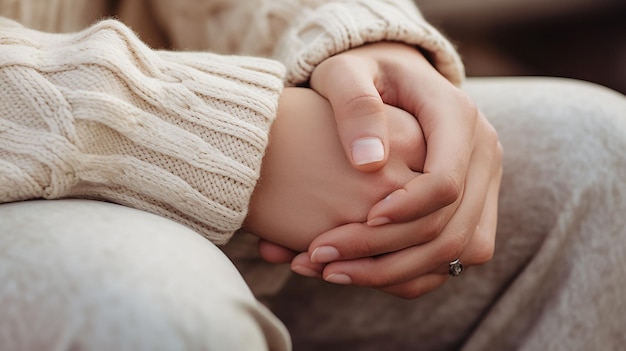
455,268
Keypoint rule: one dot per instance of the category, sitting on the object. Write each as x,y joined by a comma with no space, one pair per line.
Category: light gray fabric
88,275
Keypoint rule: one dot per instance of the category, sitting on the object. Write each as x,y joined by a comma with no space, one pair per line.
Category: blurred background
583,39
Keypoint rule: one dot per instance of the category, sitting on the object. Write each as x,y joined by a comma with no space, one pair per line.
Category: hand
308,187
452,206
410,259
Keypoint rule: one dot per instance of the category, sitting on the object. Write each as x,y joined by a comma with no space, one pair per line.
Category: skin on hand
448,212
308,187
408,266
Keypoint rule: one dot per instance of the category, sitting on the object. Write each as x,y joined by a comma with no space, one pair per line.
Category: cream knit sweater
97,113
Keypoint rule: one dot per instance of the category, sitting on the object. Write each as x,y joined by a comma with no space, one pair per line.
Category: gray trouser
87,275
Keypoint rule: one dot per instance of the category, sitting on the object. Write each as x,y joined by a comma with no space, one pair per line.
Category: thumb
358,108
362,129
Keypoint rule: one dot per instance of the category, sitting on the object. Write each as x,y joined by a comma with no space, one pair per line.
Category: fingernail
305,271
378,221
338,278
367,150
324,254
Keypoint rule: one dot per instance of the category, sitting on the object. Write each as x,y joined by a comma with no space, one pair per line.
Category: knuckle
337,62
365,104
451,248
490,139
471,108
450,188
374,273
463,100
499,152
494,141
433,227
482,247
363,248
483,253
491,135
497,155
344,61
379,280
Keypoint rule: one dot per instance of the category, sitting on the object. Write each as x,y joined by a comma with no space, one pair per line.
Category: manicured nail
324,254
367,150
378,221
305,271
338,278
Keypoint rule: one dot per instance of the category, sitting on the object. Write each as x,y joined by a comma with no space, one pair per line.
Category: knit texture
97,114
300,34
333,27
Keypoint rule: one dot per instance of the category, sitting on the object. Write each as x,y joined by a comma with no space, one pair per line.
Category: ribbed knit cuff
98,114
339,26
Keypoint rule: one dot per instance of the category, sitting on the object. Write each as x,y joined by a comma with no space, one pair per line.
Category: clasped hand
395,221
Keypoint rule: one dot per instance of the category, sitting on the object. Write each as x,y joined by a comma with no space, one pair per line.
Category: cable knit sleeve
302,33
97,114
333,27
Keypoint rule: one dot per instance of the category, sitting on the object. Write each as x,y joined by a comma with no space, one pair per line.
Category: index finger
448,118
